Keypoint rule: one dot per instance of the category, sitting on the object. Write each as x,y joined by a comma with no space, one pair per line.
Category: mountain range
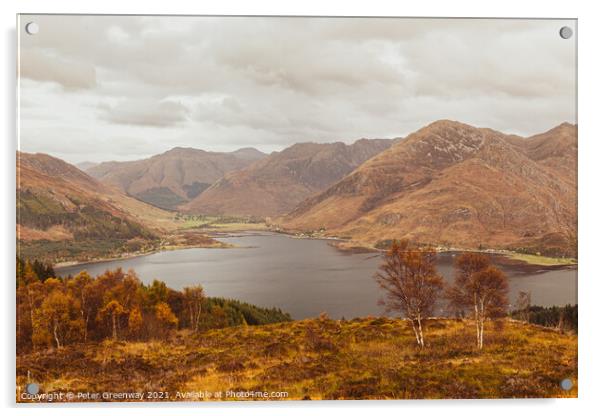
172,178
457,185
275,184
448,184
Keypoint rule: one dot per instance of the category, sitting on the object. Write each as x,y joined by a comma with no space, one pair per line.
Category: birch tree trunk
482,321
476,319
55,332
420,332
416,333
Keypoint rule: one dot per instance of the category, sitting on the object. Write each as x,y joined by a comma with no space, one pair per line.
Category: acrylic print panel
262,208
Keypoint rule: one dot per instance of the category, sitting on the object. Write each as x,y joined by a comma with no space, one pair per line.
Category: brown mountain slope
557,150
457,185
174,177
56,202
276,184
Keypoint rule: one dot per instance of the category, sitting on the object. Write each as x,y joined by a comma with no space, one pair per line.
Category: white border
590,154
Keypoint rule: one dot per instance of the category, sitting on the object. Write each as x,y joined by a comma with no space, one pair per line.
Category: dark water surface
306,277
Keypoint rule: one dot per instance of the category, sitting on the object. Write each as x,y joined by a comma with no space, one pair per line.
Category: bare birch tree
481,287
412,285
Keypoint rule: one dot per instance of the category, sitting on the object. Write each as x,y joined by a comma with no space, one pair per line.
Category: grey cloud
223,83
145,113
70,74
493,61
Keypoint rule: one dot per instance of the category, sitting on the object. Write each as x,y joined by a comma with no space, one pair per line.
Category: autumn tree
135,322
193,301
480,287
121,293
29,299
59,314
32,293
59,311
23,327
165,316
81,288
111,312
28,275
25,305
411,284
130,290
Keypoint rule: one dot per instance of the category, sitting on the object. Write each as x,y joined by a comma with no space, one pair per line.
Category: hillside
364,358
276,184
557,150
66,210
456,185
174,177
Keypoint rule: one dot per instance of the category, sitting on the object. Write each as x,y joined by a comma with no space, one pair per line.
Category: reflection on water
306,277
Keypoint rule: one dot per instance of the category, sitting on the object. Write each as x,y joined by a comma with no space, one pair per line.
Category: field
542,260
365,358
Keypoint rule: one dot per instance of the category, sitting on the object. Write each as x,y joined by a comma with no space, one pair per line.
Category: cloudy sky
123,88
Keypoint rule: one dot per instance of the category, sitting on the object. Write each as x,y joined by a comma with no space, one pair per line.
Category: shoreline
127,256
509,257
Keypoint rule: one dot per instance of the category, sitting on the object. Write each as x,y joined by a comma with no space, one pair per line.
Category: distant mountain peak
172,178
275,184
248,153
247,149
446,123
245,153
183,151
565,126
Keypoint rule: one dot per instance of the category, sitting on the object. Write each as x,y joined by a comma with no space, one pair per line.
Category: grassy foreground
367,358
